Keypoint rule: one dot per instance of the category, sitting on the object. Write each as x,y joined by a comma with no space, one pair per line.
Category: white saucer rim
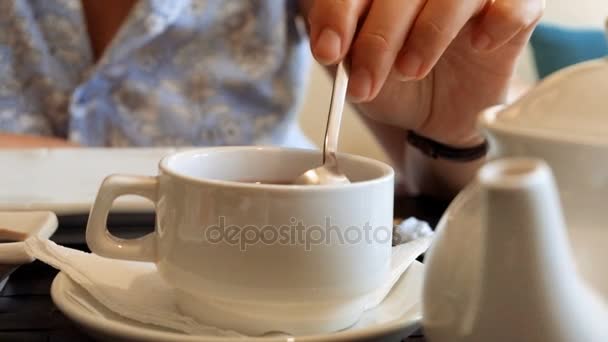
140,334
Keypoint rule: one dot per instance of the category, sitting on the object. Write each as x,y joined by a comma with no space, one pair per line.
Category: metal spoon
329,173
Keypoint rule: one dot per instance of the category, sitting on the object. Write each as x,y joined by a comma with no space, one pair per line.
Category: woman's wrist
435,168
471,149
467,139
436,177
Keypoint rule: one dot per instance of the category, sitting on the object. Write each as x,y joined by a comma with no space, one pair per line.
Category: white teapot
519,255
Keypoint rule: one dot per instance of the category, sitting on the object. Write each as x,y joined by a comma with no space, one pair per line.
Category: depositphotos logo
296,233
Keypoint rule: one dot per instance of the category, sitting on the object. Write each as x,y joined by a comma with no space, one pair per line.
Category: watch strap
437,150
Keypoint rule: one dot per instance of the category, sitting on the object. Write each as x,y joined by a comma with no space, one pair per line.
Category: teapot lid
570,105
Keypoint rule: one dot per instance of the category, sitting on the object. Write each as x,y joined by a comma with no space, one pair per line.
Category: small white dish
66,181
16,226
396,317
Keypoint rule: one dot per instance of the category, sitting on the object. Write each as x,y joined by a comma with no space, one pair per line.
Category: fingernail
482,42
328,46
409,67
360,85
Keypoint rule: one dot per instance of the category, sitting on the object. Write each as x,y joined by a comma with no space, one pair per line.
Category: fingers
333,24
410,36
435,28
377,44
503,20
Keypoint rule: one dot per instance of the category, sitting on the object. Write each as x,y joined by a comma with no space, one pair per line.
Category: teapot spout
530,289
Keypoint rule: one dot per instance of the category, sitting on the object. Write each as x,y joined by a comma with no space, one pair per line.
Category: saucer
16,226
395,318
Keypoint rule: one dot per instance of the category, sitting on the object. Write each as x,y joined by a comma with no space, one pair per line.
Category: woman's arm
425,66
31,141
419,174
416,173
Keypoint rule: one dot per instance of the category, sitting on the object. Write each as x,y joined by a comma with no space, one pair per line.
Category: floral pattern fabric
178,72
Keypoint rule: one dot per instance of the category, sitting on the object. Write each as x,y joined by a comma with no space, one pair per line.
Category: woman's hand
426,65
31,141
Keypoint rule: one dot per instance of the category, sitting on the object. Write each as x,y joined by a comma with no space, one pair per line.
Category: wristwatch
437,150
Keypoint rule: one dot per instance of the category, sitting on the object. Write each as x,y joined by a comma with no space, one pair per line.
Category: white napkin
411,229
119,285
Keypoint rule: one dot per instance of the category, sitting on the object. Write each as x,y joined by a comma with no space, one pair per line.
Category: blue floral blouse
178,72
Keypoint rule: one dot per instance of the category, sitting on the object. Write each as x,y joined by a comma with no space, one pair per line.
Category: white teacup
257,258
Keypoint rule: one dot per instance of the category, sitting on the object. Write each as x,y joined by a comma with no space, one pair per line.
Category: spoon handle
338,96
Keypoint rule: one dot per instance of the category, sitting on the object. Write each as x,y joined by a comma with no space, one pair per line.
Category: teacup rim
388,173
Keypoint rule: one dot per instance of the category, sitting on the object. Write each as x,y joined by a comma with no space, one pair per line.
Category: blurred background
571,31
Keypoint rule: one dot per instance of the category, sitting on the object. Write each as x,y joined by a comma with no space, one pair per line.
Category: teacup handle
100,240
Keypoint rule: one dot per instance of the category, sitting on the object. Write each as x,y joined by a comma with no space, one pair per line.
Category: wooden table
27,312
